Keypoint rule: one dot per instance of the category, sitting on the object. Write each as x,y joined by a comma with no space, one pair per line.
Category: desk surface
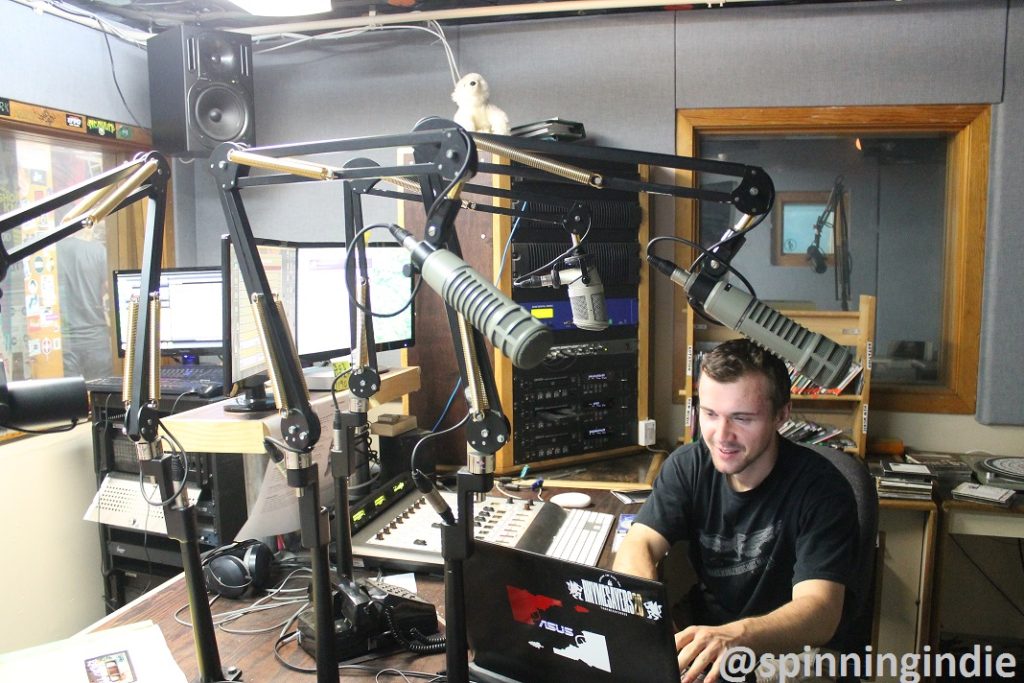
209,429
254,655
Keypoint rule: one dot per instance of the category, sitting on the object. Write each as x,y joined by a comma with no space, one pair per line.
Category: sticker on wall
5,106
100,127
124,132
74,121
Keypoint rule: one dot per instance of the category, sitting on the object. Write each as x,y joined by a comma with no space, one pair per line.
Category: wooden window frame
965,214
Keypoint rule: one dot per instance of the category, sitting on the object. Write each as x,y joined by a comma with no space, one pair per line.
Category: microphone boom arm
444,160
143,178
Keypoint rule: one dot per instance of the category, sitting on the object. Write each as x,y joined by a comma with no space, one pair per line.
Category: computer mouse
210,389
571,499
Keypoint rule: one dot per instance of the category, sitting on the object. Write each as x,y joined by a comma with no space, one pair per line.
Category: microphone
586,299
586,291
812,355
521,337
816,258
36,402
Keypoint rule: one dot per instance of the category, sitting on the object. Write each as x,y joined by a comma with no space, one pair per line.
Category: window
912,185
55,312
56,305
802,221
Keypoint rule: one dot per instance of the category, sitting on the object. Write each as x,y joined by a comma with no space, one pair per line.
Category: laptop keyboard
581,536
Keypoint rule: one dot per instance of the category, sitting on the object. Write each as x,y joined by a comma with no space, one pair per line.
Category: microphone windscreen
38,402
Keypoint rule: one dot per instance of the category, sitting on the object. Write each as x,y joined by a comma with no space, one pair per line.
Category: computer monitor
320,273
309,278
190,309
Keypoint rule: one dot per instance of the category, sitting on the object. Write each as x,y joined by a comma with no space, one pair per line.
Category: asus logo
557,628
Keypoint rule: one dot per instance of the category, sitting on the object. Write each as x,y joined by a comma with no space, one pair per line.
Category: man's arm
641,551
810,618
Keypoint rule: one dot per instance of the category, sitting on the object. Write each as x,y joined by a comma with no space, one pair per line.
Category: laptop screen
530,617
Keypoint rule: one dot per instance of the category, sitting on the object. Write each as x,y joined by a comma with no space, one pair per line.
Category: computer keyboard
581,537
211,373
201,380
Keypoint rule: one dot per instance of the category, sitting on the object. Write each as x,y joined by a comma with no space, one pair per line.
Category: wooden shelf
209,429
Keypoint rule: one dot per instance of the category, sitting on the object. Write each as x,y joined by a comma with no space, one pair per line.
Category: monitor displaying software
190,309
309,279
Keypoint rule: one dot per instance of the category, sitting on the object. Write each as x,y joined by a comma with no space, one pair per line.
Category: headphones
238,569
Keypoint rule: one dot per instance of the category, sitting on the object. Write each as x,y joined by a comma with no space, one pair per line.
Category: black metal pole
456,547
183,527
316,537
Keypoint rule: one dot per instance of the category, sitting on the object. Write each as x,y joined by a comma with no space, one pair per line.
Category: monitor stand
252,398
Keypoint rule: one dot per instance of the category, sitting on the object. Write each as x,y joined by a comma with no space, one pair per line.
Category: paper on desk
277,507
136,653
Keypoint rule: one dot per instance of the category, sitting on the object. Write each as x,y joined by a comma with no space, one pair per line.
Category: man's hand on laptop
702,650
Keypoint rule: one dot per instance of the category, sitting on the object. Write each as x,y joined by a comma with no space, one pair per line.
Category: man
85,330
772,526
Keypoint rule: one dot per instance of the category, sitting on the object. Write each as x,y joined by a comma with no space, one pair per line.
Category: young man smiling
772,526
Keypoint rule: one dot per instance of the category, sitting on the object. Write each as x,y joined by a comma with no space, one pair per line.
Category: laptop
537,619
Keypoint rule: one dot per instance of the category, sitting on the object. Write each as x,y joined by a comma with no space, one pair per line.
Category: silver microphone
813,355
521,338
586,298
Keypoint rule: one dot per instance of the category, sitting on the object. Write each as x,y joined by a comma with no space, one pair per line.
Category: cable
181,485
334,387
174,406
51,430
448,405
415,449
351,294
508,244
113,74
433,28
988,578
550,264
267,602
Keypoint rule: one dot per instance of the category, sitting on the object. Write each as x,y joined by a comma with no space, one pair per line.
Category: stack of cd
1004,472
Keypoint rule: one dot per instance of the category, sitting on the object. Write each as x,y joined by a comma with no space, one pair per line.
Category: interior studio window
56,302
886,201
55,313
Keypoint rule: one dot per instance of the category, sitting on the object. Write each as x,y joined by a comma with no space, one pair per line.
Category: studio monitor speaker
200,89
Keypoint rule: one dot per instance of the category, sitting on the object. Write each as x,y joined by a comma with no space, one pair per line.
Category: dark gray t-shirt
750,548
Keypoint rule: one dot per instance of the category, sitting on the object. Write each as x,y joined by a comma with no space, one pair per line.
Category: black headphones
238,569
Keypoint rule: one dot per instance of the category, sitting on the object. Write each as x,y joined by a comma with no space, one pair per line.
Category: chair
855,629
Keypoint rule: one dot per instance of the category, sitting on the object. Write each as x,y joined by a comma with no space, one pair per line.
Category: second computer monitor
190,309
309,278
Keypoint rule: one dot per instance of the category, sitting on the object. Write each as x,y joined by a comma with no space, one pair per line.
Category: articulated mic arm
444,160
143,178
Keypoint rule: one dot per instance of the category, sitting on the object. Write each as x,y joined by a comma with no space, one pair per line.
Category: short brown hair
735,358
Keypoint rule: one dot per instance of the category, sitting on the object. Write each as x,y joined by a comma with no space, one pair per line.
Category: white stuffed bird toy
475,113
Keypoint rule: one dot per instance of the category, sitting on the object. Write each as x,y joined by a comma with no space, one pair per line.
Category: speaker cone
220,113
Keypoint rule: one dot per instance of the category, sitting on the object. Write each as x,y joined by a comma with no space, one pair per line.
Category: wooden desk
908,530
970,519
209,429
254,655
